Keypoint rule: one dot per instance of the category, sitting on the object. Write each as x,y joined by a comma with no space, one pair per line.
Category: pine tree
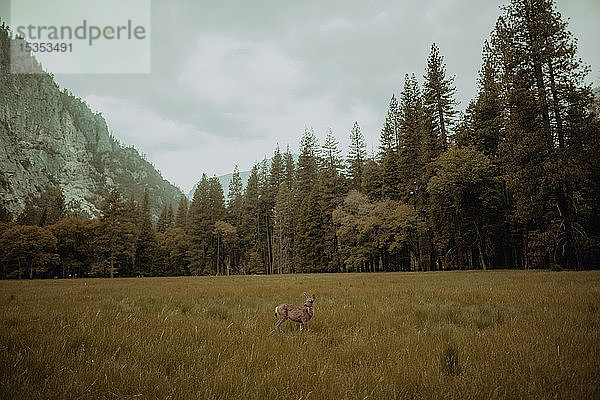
162,224
235,197
249,231
264,228
371,180
332,186
131,211
550,127
483,124
390,176
217,199
306,173
172,252
390,133
236,187
117,238
146,241
357,156
170,216
53,207
289,168
438,97
283,230
200,227
276,176
410,167
181,215
48,209
310,233
331,155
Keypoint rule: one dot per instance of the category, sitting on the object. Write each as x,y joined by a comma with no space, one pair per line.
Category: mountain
49,137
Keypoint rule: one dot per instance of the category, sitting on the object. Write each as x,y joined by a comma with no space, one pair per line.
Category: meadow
484,335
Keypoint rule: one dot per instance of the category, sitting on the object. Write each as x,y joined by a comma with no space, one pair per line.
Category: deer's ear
313,297
305,295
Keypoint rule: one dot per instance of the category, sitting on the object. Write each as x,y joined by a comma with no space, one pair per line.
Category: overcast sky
231,79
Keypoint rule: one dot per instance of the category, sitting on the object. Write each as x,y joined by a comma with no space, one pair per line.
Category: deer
295,313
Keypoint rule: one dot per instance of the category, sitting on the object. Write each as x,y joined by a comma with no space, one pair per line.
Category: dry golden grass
507,334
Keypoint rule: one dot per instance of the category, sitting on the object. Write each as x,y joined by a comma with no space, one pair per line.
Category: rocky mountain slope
49,137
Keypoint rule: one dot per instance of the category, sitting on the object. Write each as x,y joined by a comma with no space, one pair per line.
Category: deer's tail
276,307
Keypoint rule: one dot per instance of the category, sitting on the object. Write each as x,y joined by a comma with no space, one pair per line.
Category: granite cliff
49,137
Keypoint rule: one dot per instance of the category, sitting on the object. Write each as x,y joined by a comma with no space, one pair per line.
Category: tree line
513,182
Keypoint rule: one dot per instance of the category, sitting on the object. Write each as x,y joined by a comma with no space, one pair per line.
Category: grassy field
506,334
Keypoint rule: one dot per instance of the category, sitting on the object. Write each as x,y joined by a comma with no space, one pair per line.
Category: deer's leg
281,321
306,326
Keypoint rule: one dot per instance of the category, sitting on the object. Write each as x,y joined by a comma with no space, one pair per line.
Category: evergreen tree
146,241
172,252
310,233
52,203
47,210
390,132
390,176
182,212
235,190
226,238
276,176
357,156
283,230
200,227
116,239
170,216
162,224
217,199
249,231
371,180
483,124
131,211
410,167
550,126
331,155
332,186
306,173
235,199
438,97
289,168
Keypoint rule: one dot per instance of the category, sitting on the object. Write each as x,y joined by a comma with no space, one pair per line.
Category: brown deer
295,313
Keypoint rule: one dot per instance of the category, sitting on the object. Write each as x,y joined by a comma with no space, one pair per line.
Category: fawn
295,313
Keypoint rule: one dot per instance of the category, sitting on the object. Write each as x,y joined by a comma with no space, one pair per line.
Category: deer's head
308,301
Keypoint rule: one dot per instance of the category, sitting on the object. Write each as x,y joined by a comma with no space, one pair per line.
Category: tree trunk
525,248
218,251
539,77
480,248
459,253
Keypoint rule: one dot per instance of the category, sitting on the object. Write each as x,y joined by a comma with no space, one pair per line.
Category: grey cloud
276,67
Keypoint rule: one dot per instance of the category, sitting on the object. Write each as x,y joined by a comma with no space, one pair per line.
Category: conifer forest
513,182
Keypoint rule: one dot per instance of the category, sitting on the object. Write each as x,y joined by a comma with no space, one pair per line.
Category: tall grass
506,334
